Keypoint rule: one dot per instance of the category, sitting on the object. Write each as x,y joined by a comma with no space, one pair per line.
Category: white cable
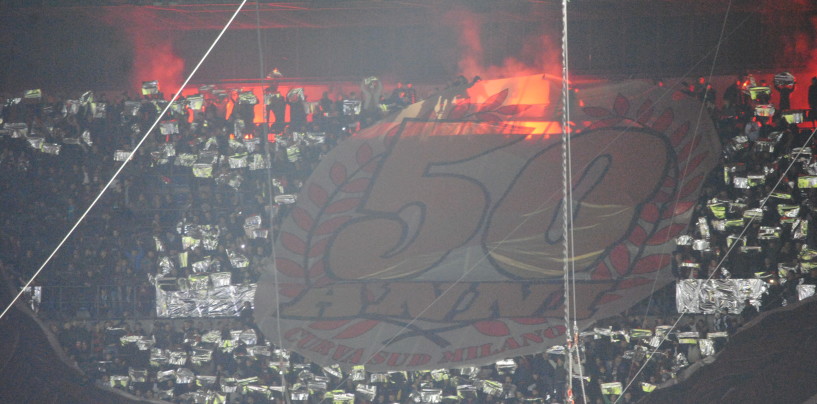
122,167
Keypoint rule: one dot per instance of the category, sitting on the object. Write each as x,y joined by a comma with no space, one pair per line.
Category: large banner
434,240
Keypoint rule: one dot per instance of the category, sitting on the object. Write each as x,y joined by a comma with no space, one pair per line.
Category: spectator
749,312
246,315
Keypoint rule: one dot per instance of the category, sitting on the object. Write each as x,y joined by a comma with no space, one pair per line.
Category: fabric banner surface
434,239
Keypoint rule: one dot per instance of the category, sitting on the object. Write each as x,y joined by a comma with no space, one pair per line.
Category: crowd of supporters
755,216
59,153
197,201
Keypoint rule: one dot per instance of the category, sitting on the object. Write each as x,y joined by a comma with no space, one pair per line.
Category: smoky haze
77,48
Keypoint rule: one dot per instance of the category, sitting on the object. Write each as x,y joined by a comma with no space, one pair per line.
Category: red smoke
800,97
544,55
154,59
471,54
795,34
154,56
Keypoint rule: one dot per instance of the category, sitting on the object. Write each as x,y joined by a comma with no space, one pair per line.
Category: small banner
196,102
203,170
35,94
169,127
121,155
150,87
611,388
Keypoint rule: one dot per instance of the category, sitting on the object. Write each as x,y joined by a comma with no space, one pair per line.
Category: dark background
73,46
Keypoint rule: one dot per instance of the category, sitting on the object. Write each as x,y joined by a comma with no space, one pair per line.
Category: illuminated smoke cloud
154,59
472,62
797,39
154,56
804,78
471,54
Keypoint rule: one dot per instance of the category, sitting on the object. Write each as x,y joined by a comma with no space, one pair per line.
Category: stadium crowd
194,206
755,216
